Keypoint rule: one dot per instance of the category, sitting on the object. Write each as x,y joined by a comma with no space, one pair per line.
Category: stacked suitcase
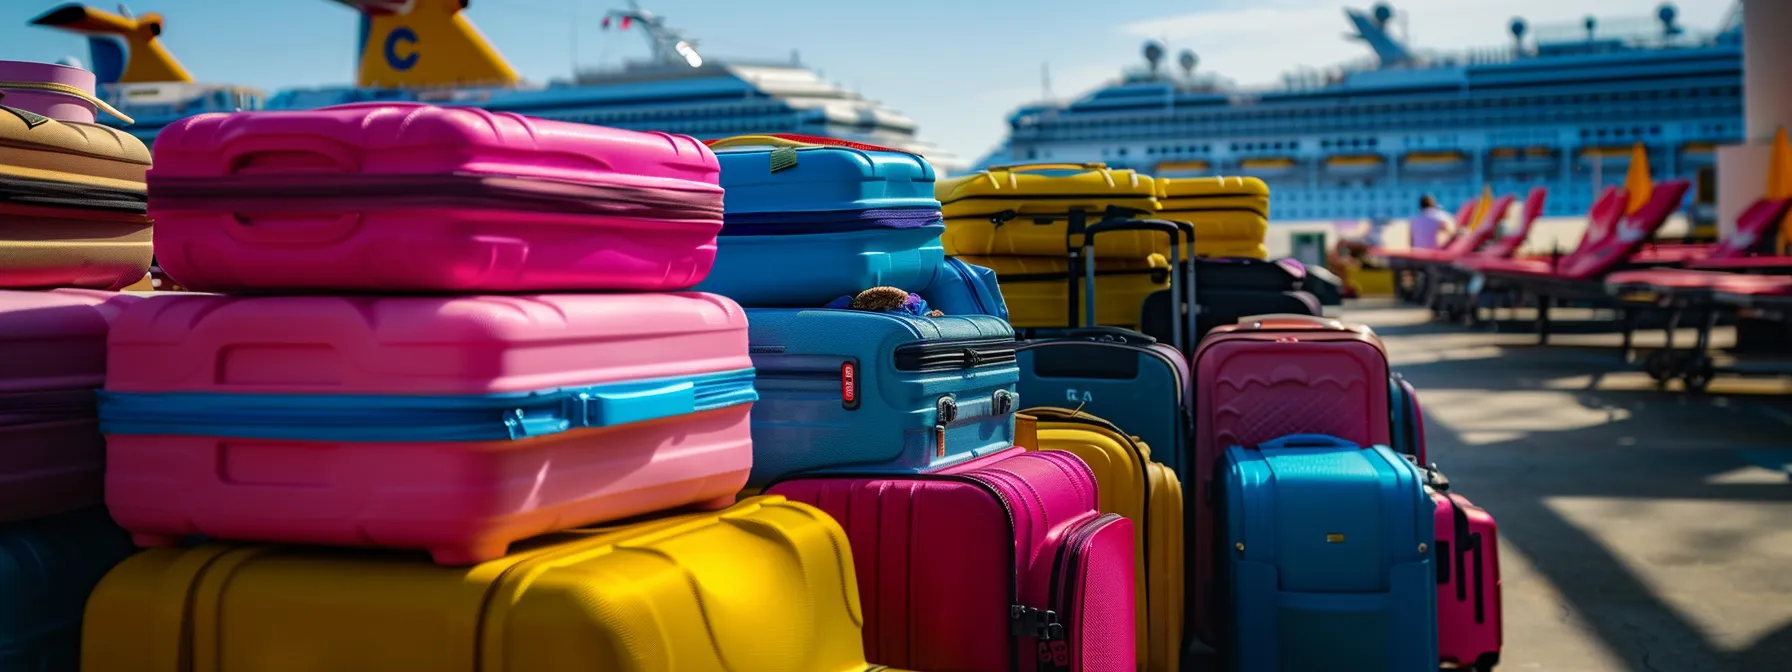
896,416
1230,214
455,395
1025,223
72,228
1322,537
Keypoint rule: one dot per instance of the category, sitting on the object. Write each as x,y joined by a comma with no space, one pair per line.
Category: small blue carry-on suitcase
804,224
877,391
1327,552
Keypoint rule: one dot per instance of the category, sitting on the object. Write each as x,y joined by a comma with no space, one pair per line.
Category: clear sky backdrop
956,66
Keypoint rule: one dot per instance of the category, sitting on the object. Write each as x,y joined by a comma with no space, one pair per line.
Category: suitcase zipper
47,406
830,221
1054,649
933,356
416,418
1144,461
47,193
386,192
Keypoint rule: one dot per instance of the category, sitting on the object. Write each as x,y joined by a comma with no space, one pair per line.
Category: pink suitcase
452,424
52,360
1468,584
412,197
1268,377
996,564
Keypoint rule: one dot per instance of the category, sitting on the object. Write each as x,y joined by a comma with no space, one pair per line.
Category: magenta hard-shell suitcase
999,563
453,424
52,359
417,198
1468,583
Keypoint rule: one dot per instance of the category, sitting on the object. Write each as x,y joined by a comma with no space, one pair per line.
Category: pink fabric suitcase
1468,584
52,360
417,198
452,424
996,564
1267,377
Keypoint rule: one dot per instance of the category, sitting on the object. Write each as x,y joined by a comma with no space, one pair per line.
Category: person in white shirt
1430,226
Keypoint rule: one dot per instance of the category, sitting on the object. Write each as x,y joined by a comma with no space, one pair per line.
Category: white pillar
1767,105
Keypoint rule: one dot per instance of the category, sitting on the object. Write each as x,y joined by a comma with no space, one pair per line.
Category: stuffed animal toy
886,300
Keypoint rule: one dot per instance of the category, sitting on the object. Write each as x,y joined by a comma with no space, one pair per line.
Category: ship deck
1641,529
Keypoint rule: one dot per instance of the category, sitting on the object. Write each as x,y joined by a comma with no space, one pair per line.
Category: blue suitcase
864,391
1327,552
48,566
961,288
803,226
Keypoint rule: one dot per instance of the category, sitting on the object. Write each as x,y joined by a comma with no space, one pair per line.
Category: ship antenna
668,45
1045,81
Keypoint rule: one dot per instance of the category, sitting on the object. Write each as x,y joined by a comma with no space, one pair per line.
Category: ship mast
668,45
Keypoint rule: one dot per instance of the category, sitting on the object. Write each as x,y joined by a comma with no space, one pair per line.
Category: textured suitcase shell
861,391
48,566
1321,538
766,585
52,456
1271,376
1034,202
104,245
1469,623
276,238
1147,493
1230,214
943,557
463,500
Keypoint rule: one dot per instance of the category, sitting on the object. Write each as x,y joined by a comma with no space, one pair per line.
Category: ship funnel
1154,55
1591,24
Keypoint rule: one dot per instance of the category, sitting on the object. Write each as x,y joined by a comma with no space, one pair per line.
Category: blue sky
956,67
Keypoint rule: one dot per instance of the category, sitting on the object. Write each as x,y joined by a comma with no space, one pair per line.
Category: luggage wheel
1698,374
1660,366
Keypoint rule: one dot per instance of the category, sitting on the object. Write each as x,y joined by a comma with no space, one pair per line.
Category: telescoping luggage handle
1305,441
1181,290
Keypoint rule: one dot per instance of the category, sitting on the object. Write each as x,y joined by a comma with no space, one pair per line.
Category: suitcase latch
1003,403
947,410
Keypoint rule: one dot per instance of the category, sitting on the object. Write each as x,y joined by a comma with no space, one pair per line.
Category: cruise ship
422,50
1560,107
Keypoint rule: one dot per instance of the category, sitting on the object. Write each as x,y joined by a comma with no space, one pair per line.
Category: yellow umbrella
1779,168
1637,183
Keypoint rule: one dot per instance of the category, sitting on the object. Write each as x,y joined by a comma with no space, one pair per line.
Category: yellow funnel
1637,182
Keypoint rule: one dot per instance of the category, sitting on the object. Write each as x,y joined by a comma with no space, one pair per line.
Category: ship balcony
1355,166
1268,167
1435,163
1182,169
1512,160
1698,154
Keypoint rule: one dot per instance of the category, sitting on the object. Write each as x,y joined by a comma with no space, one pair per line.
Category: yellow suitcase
72,204
1132,485
766,585
1025,210
1035,288
1230,214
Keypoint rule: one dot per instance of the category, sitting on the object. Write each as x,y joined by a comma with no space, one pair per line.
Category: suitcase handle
241,155
1306,441
1023,167
1179,294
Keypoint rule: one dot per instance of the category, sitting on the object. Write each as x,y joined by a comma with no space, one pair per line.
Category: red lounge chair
1463,243
1506,246
1678,290
1756,225
1576,275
